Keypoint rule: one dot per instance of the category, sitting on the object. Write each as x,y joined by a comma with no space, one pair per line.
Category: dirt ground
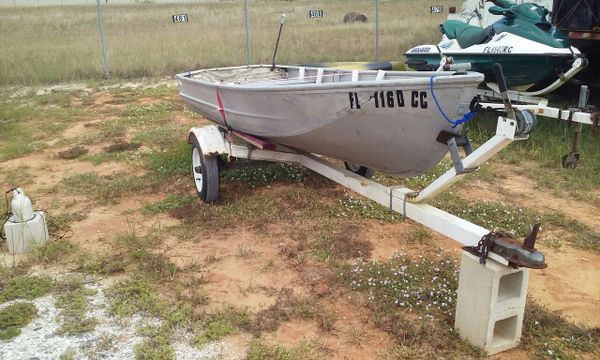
244,266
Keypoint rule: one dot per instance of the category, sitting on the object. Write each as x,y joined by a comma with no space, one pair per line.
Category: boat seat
466,35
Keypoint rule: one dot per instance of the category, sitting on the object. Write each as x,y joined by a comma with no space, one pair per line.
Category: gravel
113,338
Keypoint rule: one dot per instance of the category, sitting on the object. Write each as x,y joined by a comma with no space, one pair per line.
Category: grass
175,160
132,296
18,121
551,336
54,251
172,202
107,187
14,317
355,207
65,41
157,346
102,157
18,177
223,322
289,306
26,287
421,285
545,148
412,298
282,205
518,220
138,256
215,331
266,174
303,350
72,300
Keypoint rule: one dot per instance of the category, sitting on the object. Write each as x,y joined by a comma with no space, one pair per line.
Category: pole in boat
101,26
247,31
501,80
281,21
377,30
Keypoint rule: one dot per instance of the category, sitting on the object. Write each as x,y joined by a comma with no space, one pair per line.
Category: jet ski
532,52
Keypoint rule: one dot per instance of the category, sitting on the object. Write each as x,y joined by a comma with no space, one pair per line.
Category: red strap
221,109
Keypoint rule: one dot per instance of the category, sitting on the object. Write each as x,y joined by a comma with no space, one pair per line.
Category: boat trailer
494,266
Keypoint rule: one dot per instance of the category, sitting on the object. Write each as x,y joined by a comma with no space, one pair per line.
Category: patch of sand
570,284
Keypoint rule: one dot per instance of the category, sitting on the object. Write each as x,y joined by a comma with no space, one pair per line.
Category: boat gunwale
413,78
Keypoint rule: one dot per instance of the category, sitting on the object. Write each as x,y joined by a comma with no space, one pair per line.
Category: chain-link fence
62,43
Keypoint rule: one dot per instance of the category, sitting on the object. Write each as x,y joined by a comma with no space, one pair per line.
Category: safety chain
483,246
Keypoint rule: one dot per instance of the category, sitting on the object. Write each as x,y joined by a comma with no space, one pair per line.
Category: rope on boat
466,117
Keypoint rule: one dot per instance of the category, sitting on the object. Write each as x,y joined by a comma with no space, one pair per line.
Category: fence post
101,26
247,31
377,30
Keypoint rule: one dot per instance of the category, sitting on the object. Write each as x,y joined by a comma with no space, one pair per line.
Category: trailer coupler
517,254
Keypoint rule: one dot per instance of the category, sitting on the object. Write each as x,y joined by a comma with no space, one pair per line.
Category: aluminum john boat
383,120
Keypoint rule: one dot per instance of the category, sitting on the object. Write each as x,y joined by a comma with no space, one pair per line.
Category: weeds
419,236
138,254
54,251
546,146
422,285
516,220
266,174
108,187
101,265
26,287
417,182
554,337
134,296
215,331
304,350
72,300
172,202
350,206
342,242
18,177
175,160
412,299
215,326
156,347
286,307
14,317
102,157
291,205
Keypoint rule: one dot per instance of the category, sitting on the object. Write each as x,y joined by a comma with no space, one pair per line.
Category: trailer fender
210,139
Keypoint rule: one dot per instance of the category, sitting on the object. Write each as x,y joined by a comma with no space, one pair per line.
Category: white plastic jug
22,209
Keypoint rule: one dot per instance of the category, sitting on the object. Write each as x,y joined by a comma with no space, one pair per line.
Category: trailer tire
205,172
359,170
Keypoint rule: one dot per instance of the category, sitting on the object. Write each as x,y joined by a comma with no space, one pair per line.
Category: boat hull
389,126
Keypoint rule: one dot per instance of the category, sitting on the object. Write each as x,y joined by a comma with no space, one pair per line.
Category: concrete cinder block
490,304
23,237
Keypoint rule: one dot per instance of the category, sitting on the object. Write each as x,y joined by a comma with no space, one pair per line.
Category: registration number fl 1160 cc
391,99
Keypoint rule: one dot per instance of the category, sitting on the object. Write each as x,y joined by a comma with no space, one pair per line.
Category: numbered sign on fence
181,18
315,13
438,9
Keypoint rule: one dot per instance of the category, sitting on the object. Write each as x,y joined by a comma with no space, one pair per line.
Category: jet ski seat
466,35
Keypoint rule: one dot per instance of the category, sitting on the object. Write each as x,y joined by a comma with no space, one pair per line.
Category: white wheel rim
197,169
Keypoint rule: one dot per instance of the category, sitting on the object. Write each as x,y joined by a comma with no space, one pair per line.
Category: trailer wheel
205,171
359,170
